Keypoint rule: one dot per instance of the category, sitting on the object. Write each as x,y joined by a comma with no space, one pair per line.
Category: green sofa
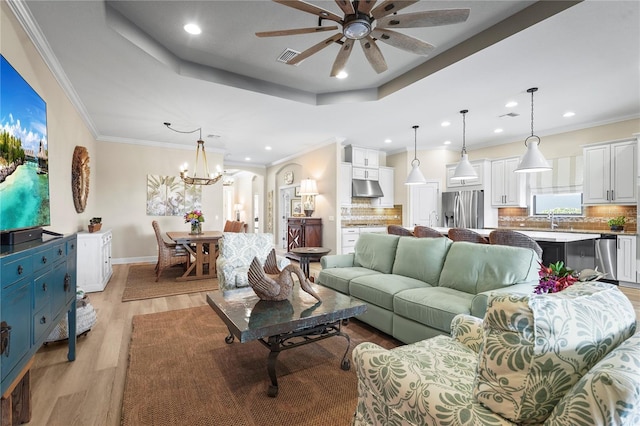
414,287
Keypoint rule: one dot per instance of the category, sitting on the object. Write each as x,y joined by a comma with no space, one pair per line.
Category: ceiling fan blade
430,18
310,8
343,56
402,41
388,7
346,6
315,49
373,54
365,6
295,31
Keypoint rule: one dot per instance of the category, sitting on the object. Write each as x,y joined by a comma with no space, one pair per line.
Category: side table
308,253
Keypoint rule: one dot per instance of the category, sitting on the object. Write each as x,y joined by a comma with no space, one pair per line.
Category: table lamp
308,190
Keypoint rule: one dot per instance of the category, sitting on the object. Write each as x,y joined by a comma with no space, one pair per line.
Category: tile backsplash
361,213
595,219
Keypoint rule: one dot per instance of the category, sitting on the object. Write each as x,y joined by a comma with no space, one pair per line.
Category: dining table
203,248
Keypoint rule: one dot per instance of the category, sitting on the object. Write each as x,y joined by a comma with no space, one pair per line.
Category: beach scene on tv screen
24,155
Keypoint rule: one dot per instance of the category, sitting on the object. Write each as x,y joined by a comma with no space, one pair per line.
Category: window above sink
569,204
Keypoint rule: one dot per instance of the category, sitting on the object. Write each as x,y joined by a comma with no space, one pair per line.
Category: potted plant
95,224
617,223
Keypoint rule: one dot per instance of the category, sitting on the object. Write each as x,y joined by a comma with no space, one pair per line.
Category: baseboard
127,260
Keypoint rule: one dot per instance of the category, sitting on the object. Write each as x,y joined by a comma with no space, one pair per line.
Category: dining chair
507,237
426,232
234,226
169,254
399,230
464,234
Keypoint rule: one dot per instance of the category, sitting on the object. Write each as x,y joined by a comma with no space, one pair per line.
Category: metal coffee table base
284,341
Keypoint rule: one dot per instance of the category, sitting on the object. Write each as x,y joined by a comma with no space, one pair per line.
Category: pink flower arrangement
193,217
554,278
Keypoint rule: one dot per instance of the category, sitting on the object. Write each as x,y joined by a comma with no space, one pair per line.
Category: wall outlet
331,218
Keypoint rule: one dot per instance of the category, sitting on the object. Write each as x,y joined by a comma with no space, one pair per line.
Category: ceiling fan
358,24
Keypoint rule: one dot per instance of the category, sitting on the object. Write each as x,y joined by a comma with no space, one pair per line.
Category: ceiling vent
511,114
287,55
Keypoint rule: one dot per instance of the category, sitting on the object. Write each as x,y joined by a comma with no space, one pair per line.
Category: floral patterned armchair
567,358
236,251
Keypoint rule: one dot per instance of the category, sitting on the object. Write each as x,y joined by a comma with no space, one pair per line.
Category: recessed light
445,124
268,148
387,141
192,29
498,131
447,142
342,74
568,114
247,158
511,104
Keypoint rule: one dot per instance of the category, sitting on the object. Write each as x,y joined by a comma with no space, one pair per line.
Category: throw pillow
536,347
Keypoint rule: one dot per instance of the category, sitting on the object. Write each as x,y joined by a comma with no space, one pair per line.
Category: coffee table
285,324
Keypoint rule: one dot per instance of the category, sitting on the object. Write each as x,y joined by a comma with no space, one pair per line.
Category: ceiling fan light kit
415,175
533,161
464,169
358,24
207,178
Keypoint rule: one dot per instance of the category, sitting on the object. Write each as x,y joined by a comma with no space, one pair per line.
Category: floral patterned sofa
567,358
236,251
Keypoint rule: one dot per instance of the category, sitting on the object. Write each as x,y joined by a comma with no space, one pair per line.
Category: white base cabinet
627,258
94,260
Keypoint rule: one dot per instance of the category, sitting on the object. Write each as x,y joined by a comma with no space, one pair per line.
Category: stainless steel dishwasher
607,257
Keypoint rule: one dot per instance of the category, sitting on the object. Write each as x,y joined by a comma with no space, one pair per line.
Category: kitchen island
552,236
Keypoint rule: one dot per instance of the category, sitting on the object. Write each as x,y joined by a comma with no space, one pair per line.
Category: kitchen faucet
551,217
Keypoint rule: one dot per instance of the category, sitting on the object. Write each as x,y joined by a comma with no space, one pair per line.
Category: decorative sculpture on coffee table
269,283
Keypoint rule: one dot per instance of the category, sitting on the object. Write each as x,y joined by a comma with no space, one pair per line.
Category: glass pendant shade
415,175
464,169
533,160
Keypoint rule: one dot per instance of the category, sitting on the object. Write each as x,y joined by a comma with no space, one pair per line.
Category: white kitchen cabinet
345,184
349,238
627,258
480,166
507,187
365,174
362,157
609,173
386,175
94,260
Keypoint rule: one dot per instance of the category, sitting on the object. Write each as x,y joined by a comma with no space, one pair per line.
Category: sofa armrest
337,261
226,272
480,301
467,330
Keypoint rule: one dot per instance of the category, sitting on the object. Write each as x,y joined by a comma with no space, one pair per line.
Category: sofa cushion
376,251
379,289
536,347
474,268
609,394
339,278
421,258
434,307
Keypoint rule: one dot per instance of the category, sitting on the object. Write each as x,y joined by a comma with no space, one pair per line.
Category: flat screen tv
24,161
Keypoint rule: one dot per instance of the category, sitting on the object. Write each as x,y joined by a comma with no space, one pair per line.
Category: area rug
181,372
141,283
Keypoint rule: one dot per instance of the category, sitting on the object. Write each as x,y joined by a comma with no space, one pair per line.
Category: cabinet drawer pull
44,286
44,259
60,252
67,282
43,320
20,269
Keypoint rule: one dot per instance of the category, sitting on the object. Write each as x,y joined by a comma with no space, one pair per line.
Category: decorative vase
617,227
196,228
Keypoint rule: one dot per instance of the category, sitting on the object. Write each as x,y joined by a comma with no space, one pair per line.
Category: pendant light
464,169
415,176
206,178
533,161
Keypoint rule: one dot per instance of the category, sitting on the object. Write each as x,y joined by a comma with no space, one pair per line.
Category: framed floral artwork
296,207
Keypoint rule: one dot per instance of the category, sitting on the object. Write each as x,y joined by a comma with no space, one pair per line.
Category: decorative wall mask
80,177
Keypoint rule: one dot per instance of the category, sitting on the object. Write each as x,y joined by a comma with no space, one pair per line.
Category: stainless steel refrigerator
463,209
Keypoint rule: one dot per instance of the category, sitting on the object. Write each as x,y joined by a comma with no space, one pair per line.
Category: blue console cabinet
37,287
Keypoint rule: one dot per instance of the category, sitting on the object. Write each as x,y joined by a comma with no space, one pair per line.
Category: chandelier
206,178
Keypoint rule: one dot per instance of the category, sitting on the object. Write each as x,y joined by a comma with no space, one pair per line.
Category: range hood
366,189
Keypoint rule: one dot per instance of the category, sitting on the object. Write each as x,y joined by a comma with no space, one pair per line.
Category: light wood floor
88,391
